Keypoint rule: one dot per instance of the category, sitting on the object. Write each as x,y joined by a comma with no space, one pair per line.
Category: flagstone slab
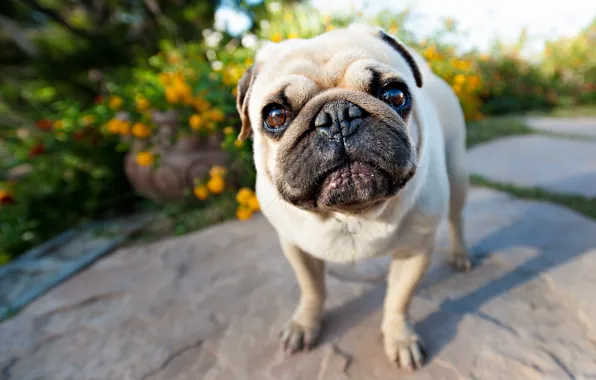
559,165
578,126
210,306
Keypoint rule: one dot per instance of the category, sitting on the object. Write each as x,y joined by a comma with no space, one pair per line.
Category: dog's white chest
340,238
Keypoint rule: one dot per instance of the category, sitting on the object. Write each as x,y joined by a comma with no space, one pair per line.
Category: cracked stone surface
555,164
210,306
580,126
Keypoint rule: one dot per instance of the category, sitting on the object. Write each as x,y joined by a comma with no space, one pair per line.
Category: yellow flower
124,127
171,95
216,185
276,37
238,144
253,204
215,115
243,213
218,171
329,28
145,158
118,127
115,102
142,104
59,124
244,195
201,192
195,122
459,79
229,130
140,130
292,35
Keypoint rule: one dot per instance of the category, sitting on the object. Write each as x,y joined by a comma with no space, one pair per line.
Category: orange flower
216,185
243,213
140,130
115,102
171,95
145,158
195,122
218,171
201,192
216,115
244,195
253,204
142,103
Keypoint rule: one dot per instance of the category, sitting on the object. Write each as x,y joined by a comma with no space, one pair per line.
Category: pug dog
359,152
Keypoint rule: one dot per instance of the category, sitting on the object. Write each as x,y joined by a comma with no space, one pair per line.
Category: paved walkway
210,305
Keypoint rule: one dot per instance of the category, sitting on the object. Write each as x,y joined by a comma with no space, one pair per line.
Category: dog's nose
339,119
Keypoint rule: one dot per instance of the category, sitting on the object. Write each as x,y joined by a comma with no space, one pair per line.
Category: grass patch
583,205
489,129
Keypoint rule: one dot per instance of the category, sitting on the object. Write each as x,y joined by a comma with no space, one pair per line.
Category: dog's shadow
436,329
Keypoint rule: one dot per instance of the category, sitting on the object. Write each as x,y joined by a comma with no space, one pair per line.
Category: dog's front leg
402,344
305,325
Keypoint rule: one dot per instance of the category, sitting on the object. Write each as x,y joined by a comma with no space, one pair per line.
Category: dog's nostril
323,119
353,112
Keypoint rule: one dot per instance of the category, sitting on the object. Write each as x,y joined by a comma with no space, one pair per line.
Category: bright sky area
481,20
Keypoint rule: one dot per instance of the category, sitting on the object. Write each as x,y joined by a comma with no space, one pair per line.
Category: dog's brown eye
277,117
395,97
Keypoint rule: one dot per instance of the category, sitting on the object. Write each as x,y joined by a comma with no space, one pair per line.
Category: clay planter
182,159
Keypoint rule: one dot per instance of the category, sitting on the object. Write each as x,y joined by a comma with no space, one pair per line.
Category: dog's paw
461,262
296,337
404,347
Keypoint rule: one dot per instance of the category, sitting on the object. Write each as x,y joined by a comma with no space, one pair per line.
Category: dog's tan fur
332,66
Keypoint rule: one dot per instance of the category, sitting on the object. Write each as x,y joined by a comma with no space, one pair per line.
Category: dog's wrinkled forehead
327,57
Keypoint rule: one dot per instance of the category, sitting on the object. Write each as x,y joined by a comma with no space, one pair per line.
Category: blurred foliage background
81,79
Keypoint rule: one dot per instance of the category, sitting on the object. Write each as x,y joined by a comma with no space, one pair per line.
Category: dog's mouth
353,186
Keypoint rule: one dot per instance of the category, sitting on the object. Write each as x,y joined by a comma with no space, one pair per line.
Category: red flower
6,198
44,124
78,135
36,150
98,99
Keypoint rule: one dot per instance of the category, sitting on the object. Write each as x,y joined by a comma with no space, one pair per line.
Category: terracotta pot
182,160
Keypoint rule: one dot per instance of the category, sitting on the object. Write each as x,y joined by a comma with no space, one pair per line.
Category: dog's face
331,118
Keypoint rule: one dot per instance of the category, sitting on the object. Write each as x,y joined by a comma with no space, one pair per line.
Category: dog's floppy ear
242,97
397,46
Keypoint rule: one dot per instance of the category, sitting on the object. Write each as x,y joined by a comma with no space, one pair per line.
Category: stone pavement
580,126
211,304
